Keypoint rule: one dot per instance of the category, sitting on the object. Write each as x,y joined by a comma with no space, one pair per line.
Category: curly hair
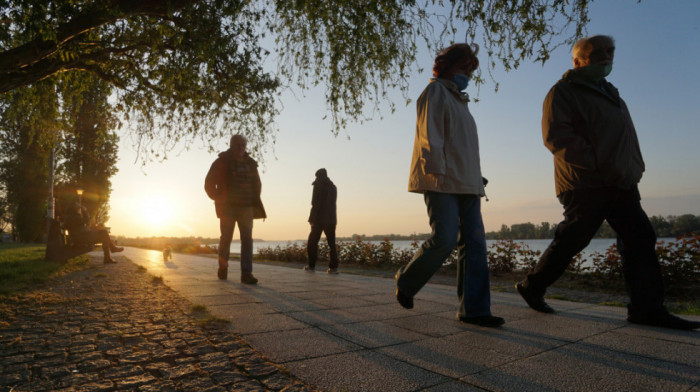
452,54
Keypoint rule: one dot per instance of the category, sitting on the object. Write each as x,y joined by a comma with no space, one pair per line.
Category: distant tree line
671,226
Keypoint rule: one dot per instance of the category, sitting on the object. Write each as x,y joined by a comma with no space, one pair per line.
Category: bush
680,260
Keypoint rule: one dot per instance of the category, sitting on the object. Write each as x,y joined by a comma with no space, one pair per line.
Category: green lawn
22,267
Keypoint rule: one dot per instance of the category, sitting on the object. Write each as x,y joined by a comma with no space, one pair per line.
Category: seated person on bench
77,221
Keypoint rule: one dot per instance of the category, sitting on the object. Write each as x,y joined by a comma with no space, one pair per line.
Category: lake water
599,245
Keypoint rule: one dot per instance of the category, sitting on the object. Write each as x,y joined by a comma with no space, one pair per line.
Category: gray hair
238,138
583,43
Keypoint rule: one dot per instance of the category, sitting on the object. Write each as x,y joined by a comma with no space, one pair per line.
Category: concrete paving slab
504,341
585,368
562,326
256,323
429,325
372,334
445,357
453,386
647,347
363,371
300,344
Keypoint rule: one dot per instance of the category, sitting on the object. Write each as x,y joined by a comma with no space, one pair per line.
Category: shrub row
679,260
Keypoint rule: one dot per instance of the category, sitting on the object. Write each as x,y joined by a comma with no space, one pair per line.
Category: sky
655,68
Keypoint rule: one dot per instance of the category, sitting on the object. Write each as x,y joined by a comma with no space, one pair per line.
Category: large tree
186,69
87,155
28,120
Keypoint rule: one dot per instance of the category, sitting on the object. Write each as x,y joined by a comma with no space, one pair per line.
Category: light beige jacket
446,148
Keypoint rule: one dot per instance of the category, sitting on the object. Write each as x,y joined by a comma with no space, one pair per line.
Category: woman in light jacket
446,170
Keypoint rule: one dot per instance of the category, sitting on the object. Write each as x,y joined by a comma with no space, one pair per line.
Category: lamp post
79,191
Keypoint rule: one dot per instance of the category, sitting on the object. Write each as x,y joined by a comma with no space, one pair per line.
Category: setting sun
156,210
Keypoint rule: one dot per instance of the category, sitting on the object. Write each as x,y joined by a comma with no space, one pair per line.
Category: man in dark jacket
323,219
234,184
597,166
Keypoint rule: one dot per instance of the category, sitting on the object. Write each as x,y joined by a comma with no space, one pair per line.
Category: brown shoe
109,261
248,279
117,249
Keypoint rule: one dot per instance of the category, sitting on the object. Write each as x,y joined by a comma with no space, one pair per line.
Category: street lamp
79,191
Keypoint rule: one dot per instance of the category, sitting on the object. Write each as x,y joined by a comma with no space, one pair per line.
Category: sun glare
156,210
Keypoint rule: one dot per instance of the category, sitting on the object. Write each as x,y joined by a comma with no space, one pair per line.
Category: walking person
446,169
323,219
597,166
233,182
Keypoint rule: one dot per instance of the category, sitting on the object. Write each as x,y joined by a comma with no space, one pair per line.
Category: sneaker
534,300
117,249
309,269
109,261
483,321
222,273
249,279
404,300
332,271
663,319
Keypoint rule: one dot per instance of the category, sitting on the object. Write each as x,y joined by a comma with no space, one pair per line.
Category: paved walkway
347,333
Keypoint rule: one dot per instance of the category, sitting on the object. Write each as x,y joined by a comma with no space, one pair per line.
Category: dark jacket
589,130
323,208
234,184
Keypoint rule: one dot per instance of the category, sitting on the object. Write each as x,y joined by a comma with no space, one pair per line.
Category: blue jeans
244,217
455,221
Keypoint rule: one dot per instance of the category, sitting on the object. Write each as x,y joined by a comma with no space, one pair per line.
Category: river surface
599,245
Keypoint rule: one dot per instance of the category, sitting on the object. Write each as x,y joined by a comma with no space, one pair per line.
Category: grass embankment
23,268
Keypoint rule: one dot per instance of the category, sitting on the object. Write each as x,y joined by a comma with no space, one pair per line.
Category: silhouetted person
323,219
597,166
234,184
446,169
77,221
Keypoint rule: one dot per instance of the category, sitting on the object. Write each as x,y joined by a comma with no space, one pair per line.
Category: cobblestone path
117,328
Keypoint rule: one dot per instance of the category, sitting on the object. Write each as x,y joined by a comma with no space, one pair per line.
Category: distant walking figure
323,219
446,169
233,182
597,166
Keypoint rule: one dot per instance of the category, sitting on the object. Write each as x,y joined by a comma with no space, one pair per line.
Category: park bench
62,245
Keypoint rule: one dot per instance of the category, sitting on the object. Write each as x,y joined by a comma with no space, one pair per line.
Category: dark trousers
584,212
312,244
244,217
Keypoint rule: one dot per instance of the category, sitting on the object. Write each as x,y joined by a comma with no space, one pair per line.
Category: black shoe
248,279
483,321
663,319
222,273
536,301
404,300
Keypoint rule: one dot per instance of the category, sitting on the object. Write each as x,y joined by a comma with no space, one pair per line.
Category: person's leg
312,244
329,230
226,226
636,242
584,212
443,211
103,237
244,217
473,270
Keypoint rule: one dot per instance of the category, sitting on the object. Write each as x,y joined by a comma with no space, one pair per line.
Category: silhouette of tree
184,70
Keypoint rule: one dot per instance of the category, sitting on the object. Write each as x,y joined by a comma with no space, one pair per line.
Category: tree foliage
196,69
